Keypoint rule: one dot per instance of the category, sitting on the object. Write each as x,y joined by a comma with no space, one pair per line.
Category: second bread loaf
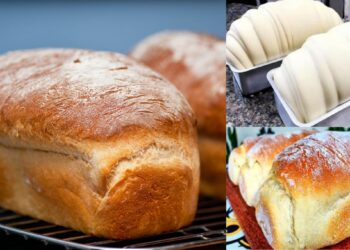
195,64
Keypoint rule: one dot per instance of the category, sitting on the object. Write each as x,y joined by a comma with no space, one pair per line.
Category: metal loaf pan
337,117
254,79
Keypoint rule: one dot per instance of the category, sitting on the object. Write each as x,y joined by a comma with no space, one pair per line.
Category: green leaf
341,129
231,140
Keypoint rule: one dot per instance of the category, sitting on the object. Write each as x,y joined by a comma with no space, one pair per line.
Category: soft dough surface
315,78
275,29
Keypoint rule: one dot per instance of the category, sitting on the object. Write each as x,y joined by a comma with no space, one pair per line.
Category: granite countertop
256,110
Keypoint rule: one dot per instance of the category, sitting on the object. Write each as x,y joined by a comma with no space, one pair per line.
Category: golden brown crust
261,150
6,189
56,94
259,160
134,204
147,199
49,186
213,172
84,146
317,162
195,63
265,150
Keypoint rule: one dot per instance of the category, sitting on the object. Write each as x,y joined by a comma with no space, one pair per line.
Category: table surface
235,238
256,110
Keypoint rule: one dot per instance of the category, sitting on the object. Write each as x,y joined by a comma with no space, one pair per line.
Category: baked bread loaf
195,64
315,79
95,142
275,29
304,204
258,161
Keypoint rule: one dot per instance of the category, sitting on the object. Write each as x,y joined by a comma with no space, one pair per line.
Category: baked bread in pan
195,64
95,142
304,204
276,29
253,161
315,78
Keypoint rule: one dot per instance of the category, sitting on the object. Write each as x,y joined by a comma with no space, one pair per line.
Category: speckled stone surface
256,110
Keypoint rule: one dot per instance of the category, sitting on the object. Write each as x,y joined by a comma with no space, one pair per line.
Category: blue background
102,25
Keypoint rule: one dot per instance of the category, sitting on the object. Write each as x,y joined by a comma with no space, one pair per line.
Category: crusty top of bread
195,63
315,163
265,150
264,147
247,144
84,95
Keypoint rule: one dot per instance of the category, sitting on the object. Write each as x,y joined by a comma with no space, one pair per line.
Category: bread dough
275,29
235,54
315,78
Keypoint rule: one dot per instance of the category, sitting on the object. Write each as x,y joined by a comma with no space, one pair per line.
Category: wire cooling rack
206,230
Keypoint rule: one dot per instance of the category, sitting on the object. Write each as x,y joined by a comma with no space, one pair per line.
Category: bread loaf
305,202
95,142
314,79
275,29
254,169
195,64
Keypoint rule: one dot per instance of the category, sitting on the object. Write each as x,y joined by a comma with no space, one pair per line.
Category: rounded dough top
275,29
315,79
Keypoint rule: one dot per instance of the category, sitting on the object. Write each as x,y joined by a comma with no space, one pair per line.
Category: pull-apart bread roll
195,64
252,167
238,158
315,78
305,202
275,29
96,142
